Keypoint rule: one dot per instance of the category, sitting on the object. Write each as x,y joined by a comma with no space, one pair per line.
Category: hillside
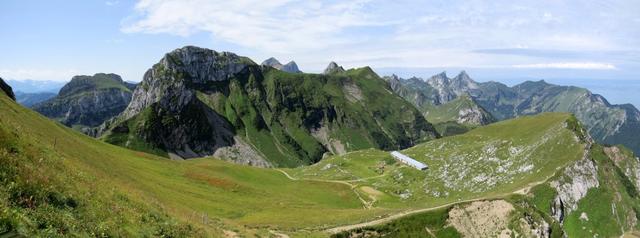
593,197
88,101
198,102
608,124
59,182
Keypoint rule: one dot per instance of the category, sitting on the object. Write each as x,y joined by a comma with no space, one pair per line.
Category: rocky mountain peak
199,65
439,80
393,80
333,67
291,67
273,62
463,76
178,72
7,89
83,83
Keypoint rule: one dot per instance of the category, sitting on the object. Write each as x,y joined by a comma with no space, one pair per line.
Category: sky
594,41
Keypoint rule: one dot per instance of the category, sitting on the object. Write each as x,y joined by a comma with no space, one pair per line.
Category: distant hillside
607,123
197,102
30,99
88,101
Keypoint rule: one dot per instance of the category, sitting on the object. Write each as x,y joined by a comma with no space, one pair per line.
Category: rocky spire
273,62
291,67
333,68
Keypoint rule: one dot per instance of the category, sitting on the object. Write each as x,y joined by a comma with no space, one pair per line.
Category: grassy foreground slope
57,182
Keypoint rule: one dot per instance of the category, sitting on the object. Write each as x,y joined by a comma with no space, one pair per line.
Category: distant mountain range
30,99
35,86
607,123
512,175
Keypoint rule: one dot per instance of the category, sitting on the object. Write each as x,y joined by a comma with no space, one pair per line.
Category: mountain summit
88,101
198,102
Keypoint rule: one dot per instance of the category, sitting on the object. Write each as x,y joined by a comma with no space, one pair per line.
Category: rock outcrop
7,89
88,101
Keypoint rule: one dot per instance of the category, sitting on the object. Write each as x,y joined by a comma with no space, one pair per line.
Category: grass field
56,181
491,160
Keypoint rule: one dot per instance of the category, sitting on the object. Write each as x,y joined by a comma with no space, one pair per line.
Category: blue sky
492,40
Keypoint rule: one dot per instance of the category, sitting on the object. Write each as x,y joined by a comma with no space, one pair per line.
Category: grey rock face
291,67
170,80
573,186
7,89
88,101
333,68
175,120
273,62
473,116
449,89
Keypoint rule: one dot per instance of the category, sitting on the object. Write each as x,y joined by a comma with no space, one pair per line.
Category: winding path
383,220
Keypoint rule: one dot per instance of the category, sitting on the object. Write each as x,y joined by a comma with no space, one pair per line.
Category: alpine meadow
153,118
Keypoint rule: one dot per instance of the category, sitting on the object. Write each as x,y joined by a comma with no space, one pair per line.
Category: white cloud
400,33
569,65
273,26
38,74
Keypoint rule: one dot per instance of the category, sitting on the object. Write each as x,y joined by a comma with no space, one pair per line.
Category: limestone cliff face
173,118
88,101
170,81
573,186
7,89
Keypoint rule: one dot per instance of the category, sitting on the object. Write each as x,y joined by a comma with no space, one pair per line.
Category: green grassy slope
292,119
56,181
491,160
610,210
